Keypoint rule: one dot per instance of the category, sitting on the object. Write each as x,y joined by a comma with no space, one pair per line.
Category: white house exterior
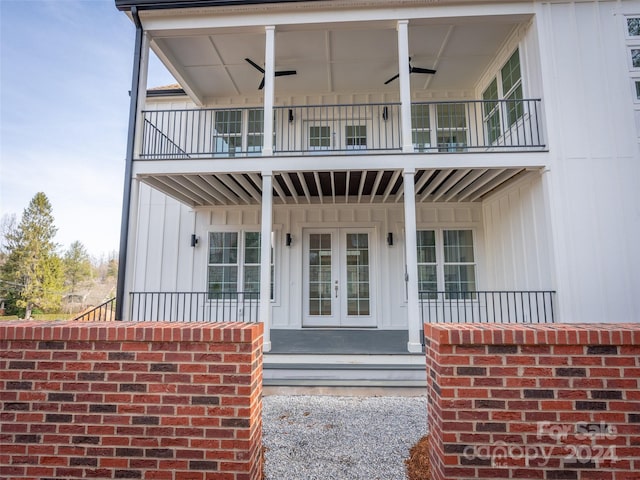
503,187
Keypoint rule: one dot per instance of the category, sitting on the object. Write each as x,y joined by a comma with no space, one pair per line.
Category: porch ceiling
350,186
337,57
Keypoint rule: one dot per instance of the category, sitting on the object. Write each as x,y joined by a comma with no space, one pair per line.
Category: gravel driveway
340,438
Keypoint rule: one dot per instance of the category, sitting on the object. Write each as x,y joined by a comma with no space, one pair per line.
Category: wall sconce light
290,115
194,240
288,240
390,239
385,113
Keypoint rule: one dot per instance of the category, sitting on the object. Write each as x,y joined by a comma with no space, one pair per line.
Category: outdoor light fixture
290,115
390,238
288,240
385,113
194,240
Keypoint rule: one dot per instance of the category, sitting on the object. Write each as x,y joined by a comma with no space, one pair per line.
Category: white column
405,85
142,93
265,256
269,89
413,307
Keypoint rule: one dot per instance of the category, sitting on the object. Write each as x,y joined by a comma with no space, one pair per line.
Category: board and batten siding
594,161
165,261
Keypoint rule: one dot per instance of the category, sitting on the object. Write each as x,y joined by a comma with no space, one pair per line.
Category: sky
65,77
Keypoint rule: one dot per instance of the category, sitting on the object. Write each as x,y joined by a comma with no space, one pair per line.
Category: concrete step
344,370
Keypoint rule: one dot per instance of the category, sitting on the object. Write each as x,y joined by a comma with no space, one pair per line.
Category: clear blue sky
65,76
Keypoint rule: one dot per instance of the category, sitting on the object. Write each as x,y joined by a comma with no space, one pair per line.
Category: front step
344,370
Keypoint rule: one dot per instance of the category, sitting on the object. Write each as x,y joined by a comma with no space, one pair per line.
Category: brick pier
131,400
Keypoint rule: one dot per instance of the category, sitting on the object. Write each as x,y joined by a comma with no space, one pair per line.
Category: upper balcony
436,127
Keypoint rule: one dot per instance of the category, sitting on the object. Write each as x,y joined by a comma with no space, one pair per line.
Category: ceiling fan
412,69
261,70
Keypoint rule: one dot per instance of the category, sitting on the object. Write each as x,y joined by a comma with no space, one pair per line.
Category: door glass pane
320,274
319,137
357,260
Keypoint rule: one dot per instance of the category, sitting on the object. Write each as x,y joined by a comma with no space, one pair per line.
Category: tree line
35,275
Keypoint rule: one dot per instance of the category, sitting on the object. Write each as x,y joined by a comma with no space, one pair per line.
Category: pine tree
77,265
32,263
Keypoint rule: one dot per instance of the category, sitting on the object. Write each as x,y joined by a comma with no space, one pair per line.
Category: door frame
342,319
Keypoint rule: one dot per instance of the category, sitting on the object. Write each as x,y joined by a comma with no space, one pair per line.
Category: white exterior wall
594,167
518,253
165,261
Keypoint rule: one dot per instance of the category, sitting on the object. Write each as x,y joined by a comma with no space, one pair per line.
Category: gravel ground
340,438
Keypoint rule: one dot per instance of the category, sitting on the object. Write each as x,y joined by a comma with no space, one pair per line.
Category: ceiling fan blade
255,65
261,86
391,79
422,70
286,72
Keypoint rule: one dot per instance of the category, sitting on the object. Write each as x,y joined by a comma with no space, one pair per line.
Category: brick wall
534,401
130,400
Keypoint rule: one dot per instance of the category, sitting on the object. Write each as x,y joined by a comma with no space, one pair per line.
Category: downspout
126,198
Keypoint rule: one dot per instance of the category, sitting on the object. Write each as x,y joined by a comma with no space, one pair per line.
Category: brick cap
534,334
224,332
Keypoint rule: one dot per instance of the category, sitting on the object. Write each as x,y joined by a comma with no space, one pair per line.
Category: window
237,131
512,88
319,137
446,262
223,262
491,111
234,267
355,137
427,275
420,127
633,26
459,262
255,131
451,127
227,137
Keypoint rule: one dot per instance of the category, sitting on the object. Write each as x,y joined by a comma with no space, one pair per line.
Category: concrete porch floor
339,342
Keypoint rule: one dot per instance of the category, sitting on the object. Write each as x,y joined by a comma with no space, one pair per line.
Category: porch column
413,307
405,85
265,256
269,90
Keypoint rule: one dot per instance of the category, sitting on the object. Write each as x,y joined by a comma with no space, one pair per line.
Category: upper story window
451,126
238,131
633,27
355,137
319,137
420,127
502,99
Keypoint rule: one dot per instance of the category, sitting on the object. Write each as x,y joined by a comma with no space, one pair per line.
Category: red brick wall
534,401
131,400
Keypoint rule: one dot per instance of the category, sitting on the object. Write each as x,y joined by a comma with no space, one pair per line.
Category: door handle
336,288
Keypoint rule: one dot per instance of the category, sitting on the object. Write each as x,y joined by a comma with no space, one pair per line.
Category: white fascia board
186,23
527,160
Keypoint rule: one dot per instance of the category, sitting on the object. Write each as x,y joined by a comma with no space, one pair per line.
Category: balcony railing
487,307
194,307
437,127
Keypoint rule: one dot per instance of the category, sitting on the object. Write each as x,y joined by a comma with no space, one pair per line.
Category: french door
338,276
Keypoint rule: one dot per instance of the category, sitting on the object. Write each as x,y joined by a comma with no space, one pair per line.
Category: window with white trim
446,262
355,137
234,263
420,127
502,99
319,137
237,131
512,88
451,126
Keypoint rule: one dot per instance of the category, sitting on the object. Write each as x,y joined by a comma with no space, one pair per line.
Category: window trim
440,257
240,265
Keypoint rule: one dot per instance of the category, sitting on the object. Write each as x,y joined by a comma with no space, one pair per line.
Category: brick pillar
131,400
534,401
